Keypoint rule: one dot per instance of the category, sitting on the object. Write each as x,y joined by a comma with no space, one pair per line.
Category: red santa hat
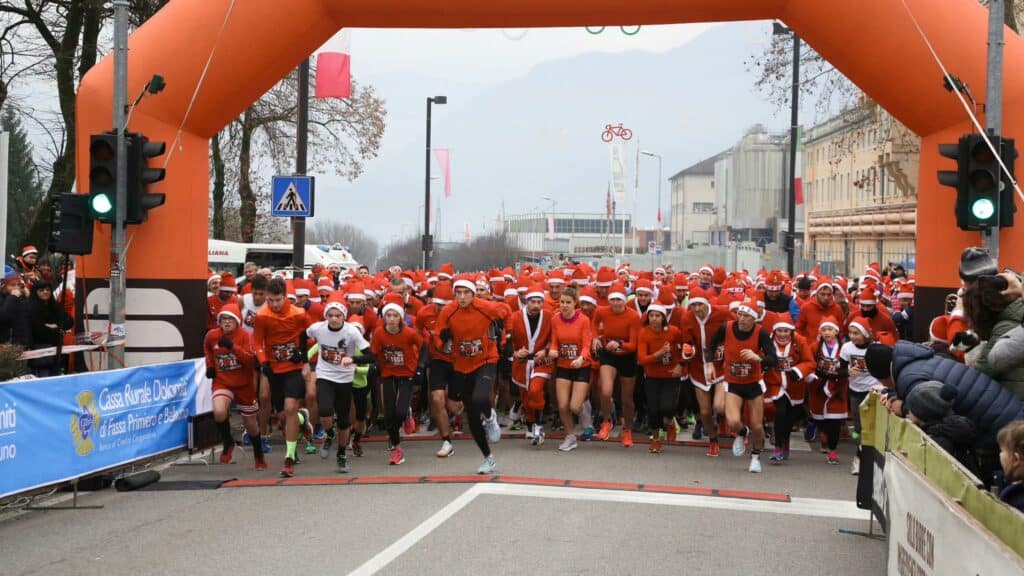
446,271
868,295
324,284
464,281
589,294
356,291
30,249
774,281
906,290
393,307
828,322
580,277
230,309
666,298
747,306
443,292
494,275
335,305
861,325
706,268
643,285
658,308
227,282
874,270
783,324
617,291
556,278
605,276
211,278
939,328
290,288
535,291
821,283
697,300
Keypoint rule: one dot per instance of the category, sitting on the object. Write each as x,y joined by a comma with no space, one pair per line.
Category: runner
747,348
439,374
571,341
827,391
250,303
662,352
337,344
530,333
784,382
861,381
616,333
360,393
472,326
701,322
397,348
230,363
279,337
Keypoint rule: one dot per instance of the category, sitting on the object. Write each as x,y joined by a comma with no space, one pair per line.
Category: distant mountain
539,135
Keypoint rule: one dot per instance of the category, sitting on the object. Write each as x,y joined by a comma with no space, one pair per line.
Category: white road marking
822,508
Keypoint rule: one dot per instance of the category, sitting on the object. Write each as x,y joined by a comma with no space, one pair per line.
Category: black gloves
267,371
446,335
966,339
211,372
495,329
225,343
297,357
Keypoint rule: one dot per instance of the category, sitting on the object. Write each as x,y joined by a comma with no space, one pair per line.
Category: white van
225,256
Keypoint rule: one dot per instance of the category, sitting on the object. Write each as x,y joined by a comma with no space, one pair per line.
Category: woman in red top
616,332
662,352
397,348
784,382
570,345
231,364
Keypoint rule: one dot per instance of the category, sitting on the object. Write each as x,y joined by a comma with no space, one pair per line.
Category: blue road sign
292,196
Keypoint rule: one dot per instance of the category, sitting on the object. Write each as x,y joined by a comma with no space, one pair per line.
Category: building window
703,207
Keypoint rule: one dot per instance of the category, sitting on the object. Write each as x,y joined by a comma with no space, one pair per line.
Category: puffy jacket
981,399
956,435
1008,371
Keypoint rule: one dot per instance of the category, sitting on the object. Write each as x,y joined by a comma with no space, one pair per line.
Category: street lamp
780,30
658,156
428,240
551,234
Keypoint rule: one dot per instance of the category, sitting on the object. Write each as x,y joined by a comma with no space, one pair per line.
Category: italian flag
334,67
798,176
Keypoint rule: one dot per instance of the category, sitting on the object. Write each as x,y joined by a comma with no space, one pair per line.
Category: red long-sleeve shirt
472,348
426,324
276,335
649,354
571,338
623,328
397,354
234,367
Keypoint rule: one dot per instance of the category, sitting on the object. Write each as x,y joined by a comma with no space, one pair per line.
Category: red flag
333,69
659,214
608,201
444,160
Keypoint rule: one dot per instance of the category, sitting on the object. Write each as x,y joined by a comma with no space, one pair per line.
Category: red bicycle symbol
613,130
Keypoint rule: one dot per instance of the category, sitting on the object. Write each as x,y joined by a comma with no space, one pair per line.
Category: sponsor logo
84,422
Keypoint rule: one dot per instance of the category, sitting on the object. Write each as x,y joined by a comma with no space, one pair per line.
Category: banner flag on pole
798,177
334,67
444,160
618,159
551,227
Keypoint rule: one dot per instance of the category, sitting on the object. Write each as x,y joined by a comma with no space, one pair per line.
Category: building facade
860,188
574,232
693,204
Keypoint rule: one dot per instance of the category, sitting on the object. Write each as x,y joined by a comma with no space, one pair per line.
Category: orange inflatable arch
873,42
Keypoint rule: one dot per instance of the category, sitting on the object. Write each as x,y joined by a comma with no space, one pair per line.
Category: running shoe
691,420
777,456
447,449
265,440
397,456
739,445
855,436
606,429
289,468
855,466
310,446
516,425
228,455
655,446
627,438
569,444
492,428
639,425
514,417
833,457
259,461
409,425
588,433
305,426
755,464
357,447
713,447
487,466
342,464
245,438
329,438
810,431
319,436
698,430
538,435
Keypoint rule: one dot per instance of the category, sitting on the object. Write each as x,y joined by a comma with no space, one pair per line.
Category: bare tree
481,254
362,246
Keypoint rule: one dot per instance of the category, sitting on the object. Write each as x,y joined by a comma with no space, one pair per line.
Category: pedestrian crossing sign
292,196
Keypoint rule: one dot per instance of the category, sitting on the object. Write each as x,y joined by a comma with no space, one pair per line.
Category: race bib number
393,356
228,363
740,369
719,353
828,366
568,351
283,352
331,355
471,348
858,363
666,359
250,318
784,363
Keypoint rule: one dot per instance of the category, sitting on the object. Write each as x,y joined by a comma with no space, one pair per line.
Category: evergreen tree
24,188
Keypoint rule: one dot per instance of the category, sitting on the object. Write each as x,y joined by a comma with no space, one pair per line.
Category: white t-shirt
335,345
248,310
854,356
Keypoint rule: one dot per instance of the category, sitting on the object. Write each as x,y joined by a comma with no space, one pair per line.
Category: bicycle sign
613,130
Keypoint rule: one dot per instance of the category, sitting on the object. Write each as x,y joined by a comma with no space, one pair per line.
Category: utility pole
301,145
994,105
116,327
793,134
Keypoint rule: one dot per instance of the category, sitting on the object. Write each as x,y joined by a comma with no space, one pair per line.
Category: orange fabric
519,332
276,334
700,335
426,323
213,305
471,347
738,370
798,356
623,328
234,367
571,339
397,354
649,351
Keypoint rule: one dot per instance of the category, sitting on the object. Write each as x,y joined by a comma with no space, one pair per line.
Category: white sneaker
855,466
447,449
492,428
569,444
755,464
538,435
739,446
487,466
513,414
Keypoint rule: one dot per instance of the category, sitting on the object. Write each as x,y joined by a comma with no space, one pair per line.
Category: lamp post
658,156
551,234
780,30
428,240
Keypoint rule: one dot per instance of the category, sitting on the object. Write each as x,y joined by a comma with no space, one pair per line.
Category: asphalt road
460,528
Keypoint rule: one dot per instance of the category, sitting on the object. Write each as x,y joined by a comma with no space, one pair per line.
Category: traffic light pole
116,313
994,103
301,146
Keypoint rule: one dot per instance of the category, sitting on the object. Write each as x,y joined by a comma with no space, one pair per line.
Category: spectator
929,405
48,321
993,307
1011,456
15,310
27,264
978,397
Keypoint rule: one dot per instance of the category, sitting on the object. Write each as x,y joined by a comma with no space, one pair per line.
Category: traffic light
102,176
70,224
981,188
140,176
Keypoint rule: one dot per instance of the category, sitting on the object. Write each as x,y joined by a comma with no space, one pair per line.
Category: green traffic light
983,209
101,204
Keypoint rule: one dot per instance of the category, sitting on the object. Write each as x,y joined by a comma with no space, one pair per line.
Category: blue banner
57,429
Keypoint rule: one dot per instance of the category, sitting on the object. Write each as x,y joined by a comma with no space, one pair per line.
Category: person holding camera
49,321
15,310
993,307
